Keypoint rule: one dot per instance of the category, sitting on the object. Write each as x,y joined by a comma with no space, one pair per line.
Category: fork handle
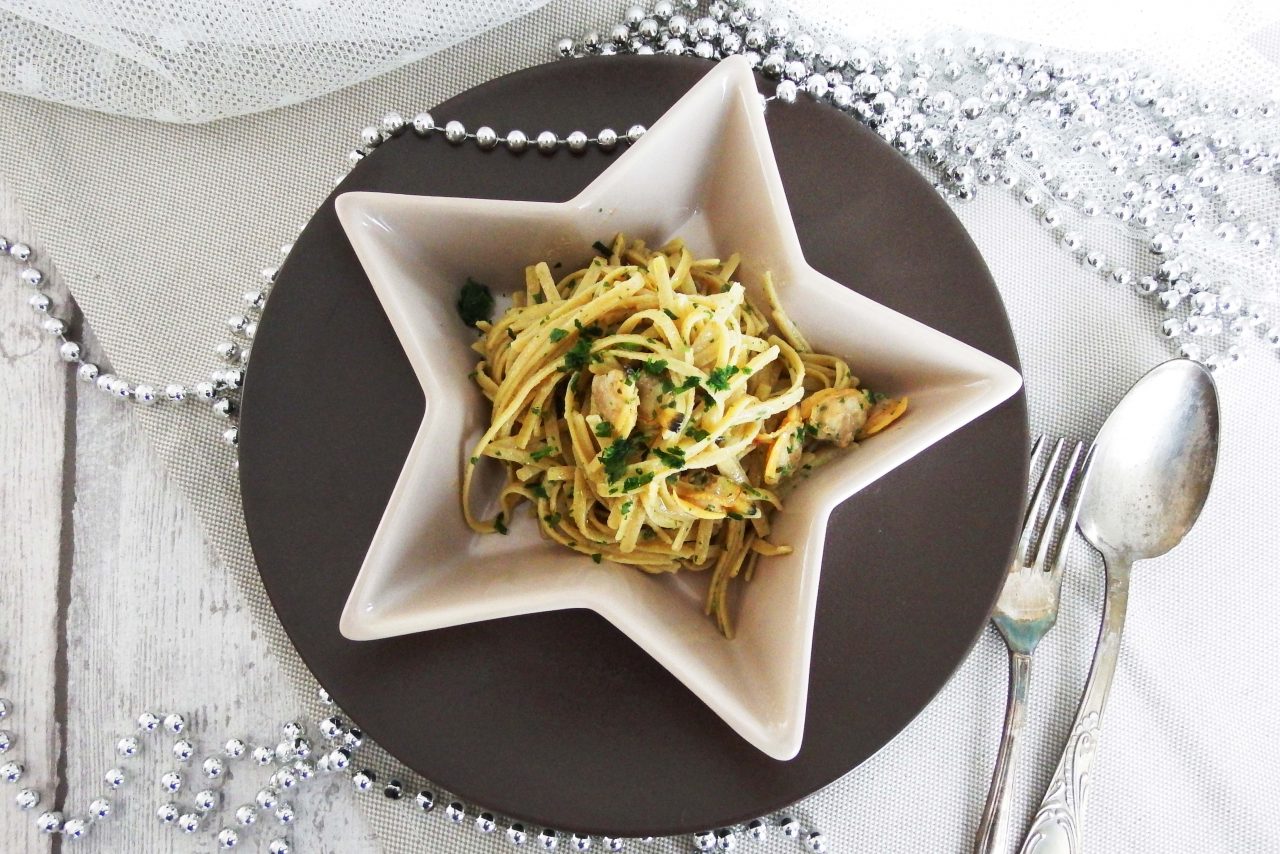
1056,829
993,830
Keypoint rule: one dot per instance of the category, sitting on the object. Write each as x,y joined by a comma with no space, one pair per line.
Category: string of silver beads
995,114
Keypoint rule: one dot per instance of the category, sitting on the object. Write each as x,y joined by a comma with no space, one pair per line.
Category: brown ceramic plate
558,718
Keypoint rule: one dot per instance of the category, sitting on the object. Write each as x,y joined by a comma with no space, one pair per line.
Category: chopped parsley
876,396
669,313
671,388
719,377
696,433
552,519
475,460
673,457
543,452
597,557
539,298
636,481
499,524
592,331
601,248
578,356
511,333
603,429
656,367
614,457
735,516
539,491
626,506
558,335
475,302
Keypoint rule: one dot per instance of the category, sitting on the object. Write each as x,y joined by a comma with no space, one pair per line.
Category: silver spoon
1152,464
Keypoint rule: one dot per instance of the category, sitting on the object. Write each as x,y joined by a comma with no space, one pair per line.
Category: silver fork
1027,609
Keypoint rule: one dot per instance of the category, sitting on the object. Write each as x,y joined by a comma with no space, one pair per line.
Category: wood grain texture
153,621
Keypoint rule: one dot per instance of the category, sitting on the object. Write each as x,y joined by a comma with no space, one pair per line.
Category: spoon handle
1056,828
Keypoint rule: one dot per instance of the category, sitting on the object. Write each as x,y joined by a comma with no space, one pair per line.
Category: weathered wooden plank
153,622
33,409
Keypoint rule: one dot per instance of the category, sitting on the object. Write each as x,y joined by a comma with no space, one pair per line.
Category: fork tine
1046,537
1025,539
1073,510
1037,498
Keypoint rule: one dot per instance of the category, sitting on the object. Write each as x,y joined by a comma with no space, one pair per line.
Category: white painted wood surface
153,621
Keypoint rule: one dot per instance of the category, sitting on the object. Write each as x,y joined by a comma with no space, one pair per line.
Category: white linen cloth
158,246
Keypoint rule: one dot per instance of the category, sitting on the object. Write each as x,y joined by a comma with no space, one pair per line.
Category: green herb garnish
696,433
558,335
673,457
578,356
656,367
539,491
499,524
552,519
603,429
601,248
636,481
718,379
597,557
475,302
626,506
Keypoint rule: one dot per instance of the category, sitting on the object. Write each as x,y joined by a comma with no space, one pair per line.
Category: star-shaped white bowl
705,172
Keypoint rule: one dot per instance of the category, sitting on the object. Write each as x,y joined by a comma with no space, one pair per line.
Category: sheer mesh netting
206,59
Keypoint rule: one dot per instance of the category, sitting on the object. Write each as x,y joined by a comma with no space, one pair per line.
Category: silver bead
183,750
49,822
757,830
726,840
516,834
39,302
304,769
678,25
171,782
393,790
577,142
565,47
69,351
815,842
99,809
121,389
246,814
339,759
234,748
392,123
1072,240
114,778
32,277
213,767
704,840
363,780
267,798
547,142
633,15
673,46
75,828
1051,218
371,136
634,133
485,823
127,746
580,842
455,132
423,124
455,812
352,738
612,843
11,772
228,838
548,840
425,800
790,827
704,50
284,778
786,92
223,407
206,800
27,799
20,251
148,722
279,845
607,139
1161,244
285,813
517,141
144,394
330,727
817,87
167,813
486,138
591,41
1095,259
54,326
189,822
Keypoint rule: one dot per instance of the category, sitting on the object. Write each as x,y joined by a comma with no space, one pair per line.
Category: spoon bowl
1152,464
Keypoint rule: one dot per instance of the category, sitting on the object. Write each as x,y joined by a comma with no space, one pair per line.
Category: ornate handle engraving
1056,828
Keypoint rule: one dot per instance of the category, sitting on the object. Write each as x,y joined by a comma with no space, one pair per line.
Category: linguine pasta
650,413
